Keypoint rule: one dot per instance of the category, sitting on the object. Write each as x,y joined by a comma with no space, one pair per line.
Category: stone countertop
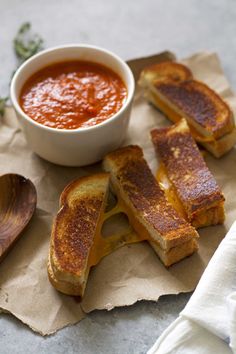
131,29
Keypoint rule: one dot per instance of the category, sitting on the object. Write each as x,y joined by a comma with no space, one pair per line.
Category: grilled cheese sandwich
74,233
150,214
171,88
187,180
77,242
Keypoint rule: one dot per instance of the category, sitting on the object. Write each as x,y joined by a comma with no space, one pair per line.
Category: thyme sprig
25,45
3,101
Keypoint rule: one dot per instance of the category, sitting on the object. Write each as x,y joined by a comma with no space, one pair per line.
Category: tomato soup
73,94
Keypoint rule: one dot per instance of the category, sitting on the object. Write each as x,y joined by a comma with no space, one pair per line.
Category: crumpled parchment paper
24,287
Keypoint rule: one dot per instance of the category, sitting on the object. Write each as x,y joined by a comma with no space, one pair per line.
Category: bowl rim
123,64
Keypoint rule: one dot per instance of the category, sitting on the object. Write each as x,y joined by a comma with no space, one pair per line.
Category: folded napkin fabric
208,322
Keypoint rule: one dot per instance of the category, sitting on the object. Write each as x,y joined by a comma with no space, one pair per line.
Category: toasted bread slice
175,254
217,147
222,145
194,184
82,205
201,106
208,116
166,70
144,202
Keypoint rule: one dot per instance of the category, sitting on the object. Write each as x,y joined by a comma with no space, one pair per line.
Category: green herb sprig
3,101
25,45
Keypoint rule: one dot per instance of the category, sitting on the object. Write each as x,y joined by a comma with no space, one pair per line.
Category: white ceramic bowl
81,146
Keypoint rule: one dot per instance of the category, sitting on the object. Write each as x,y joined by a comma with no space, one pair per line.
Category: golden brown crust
171,86
217,147
75,225
209,217
73,244
77,183
161,71
68,288
186,168
197,101
133,178
221,146
176,254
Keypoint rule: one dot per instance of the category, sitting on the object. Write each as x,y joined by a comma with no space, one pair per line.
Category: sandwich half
150,214
170,86
74,233
185,177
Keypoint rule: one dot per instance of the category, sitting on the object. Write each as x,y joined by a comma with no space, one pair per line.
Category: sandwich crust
186,169
198,102
171,88
175,254
222,145
81,205
66,287
136,186
166,70
217,147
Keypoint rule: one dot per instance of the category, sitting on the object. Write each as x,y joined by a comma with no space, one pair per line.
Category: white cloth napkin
208,322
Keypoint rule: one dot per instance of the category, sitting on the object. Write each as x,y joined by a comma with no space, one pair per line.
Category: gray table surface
131,29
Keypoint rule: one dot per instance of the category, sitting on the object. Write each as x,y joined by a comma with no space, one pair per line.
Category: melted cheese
102,246
170,192
212,216
175,117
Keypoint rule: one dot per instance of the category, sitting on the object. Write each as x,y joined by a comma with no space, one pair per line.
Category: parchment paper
131,273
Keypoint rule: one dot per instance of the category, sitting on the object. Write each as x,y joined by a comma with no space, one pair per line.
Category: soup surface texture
73,94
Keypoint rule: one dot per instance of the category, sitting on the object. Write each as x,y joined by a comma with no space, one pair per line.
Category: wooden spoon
18,200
